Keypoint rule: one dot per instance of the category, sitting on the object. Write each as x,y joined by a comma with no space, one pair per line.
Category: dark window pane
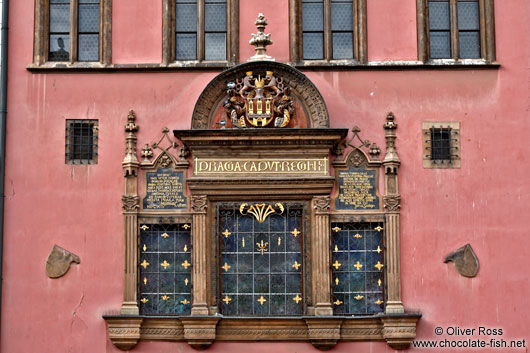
342,17
313,44
89,18
343,45
439,15
469,45
88,47
215,44
215,17
468,15
186,46
59,18
312,17
440,144
186,18
59,47
440,45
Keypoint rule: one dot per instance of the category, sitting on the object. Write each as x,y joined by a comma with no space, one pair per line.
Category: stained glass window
261,263
357,268
165,269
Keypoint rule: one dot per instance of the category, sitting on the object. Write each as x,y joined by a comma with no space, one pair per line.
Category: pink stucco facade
484,203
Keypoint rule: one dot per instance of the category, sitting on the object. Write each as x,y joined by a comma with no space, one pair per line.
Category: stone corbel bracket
398,330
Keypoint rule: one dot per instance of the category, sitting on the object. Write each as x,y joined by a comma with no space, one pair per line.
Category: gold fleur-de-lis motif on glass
227,300
295,232
379,282
186,226
226,267
185,264
262,247
144,227
165,264
378,249
279,241
357,236
144,264
144,248
145,281
337,281
260,210
185,301
297,299
243,242
336,248
378,265
165,297
358,297
185,248
186,281
144,300
378,228
335,229
336,265
226,233
261,300
296,265
358,265
379,302
165,235
337,302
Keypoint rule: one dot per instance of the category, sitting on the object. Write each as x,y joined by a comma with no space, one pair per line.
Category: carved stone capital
321,203
323,333
200,332
392,202
399,331
124,333
199,203
130,203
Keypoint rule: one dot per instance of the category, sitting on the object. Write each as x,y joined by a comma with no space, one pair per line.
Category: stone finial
261,40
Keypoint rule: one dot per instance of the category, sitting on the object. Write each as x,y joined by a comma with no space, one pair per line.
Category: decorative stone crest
261,40
465,260
59,261
256,100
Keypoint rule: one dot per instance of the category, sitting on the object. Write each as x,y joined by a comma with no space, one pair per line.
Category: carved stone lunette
199,204
321,260
130,202
391,200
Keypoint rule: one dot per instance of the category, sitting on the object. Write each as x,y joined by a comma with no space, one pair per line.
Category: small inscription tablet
357,190
165,190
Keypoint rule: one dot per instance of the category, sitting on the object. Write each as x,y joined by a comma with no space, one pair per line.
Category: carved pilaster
130,204
199,204
320,260
392,204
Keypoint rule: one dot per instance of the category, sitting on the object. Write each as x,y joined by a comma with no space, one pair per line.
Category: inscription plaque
357,190
209,166
165,190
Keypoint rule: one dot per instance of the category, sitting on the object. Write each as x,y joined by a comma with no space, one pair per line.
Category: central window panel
261,262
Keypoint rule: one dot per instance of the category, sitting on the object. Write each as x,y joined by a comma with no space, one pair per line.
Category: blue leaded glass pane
357,268
59,18
468,15
343,45
186,46
342,16
165,269
264,268
313,44
215,17
88,47
215,44
59,47
439,18
186,18
440,45
312,17
89,18
469,45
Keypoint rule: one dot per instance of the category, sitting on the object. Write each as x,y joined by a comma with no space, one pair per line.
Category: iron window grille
81,141
441,144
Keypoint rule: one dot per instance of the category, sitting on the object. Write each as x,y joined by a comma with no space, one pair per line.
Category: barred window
81,141
441,145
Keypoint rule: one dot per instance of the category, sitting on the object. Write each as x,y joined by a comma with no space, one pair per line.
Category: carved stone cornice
199,203
400,330
200,332
124,332
392,202
130,203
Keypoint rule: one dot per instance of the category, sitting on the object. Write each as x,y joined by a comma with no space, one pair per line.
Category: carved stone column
199,204
392,203
130,204
320,257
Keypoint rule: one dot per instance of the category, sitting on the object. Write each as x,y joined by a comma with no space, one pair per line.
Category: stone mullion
321,257
391,199
199,256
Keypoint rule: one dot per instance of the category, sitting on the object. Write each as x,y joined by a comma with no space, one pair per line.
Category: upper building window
72,30
200,30
456,29
328,30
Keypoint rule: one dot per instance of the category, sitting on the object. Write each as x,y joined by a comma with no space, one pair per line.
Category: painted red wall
78,207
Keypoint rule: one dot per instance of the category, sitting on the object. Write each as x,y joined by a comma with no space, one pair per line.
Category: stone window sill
398,330
396,64
96,66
